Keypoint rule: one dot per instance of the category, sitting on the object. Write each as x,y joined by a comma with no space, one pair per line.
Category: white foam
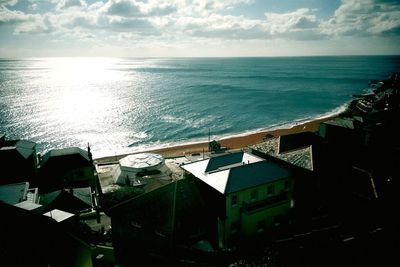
160,145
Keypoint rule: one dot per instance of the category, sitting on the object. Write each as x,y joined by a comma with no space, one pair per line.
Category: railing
265,203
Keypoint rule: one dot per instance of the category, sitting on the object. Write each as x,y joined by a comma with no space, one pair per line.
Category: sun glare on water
79,85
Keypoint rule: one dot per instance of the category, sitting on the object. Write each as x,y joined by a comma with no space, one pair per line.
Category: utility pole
173,215
209,137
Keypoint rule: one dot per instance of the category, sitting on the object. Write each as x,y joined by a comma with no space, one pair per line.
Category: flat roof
27,205
58,215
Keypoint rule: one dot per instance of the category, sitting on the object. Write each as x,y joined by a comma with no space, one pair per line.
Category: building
74,200
32,239
341,130
14,193
147,228
66,168
133,168
18,161
245,193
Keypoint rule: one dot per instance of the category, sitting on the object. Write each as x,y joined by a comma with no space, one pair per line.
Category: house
147,228
66,168
18,160
246,194
32,239
341,130
74,200
14,193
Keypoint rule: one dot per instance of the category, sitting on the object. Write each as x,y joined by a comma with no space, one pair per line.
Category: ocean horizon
126,105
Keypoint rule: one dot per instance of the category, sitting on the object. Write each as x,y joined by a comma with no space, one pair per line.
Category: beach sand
236,142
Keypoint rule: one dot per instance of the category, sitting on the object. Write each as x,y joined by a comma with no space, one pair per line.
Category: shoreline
234,142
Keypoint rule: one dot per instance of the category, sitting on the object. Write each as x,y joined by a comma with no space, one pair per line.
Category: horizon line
205,57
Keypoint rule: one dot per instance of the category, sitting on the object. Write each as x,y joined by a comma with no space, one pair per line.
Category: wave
160,145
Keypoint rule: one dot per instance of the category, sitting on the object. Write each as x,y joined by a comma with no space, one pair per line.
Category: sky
198,28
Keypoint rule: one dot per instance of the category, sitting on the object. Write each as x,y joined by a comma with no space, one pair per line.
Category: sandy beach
236,142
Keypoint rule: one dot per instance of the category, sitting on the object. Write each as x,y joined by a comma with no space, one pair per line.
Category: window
253,195
234,227
270,190
234,200
261,226
286,186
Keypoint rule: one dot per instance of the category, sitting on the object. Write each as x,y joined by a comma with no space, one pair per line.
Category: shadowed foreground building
148,228
18,161
245,194
31,239
66,168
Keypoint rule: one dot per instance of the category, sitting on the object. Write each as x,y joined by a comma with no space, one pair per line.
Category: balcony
250,207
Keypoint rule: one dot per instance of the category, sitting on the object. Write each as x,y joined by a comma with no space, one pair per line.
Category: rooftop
23,147
142,160
13,193
235,172
341,122
58,215
70,151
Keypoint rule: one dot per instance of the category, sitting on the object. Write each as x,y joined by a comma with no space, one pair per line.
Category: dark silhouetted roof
72,153
341,122
61,199
14,148
13,193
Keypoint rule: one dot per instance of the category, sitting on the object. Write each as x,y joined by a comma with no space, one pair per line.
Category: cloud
125,8
364,17
137,25
11,17
69,3
219,5
132,8
291,21
35,24
223,27
197,22
8,2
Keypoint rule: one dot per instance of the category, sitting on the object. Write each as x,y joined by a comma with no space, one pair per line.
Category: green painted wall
247,224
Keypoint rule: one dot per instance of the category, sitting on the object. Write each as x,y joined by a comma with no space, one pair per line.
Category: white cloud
193,24
61,4
292,21
8,2
364,17
11,17
223,27
36,24
133,8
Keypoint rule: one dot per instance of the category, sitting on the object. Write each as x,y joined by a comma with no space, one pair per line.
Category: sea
127,105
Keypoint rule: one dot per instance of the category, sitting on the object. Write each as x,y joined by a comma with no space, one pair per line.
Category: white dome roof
141,161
